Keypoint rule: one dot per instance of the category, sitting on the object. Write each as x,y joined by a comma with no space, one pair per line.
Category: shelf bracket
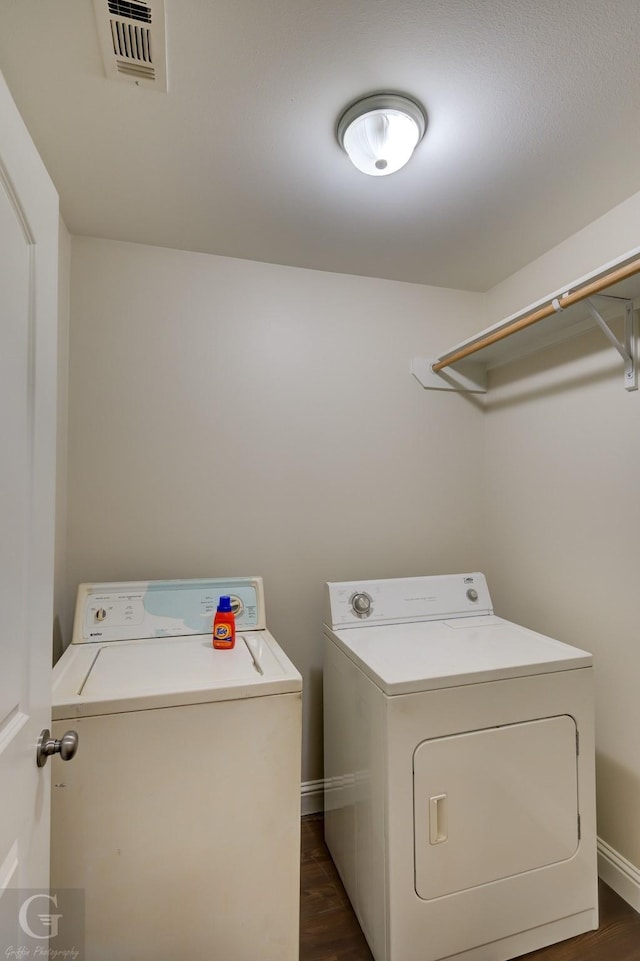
627,349
469,377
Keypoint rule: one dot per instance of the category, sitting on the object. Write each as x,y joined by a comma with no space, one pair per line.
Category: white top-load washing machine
459,772
179,816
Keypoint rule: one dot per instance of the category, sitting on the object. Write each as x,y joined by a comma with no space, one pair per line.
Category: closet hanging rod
588,289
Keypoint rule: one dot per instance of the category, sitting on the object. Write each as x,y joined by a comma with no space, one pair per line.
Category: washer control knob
361,604
100,614
236,605
472,594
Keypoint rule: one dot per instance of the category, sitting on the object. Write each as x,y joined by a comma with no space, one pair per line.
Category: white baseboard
312,797
619,874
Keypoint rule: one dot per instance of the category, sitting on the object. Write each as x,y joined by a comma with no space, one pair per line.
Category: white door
28,319
494,803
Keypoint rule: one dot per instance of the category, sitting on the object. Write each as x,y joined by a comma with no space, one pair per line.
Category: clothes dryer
459,772
179,817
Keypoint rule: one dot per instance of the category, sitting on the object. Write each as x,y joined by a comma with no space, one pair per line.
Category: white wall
563,523
229,417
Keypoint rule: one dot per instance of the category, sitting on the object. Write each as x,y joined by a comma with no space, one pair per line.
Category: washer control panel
145,609
404,599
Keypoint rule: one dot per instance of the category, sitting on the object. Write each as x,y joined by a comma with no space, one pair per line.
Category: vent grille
132,11
131,41
132,37
135,70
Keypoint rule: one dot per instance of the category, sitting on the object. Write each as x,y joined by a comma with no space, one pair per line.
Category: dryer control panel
145,609
405,599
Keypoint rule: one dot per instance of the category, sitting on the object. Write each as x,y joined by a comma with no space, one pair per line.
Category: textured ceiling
534,109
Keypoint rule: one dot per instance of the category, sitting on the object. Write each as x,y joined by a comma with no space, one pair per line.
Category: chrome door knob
66,747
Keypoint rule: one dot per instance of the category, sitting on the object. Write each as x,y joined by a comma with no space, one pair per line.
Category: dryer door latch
438,826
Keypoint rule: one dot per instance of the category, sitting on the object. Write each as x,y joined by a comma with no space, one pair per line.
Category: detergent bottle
224,625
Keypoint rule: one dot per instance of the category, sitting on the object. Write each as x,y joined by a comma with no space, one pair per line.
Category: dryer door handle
438,819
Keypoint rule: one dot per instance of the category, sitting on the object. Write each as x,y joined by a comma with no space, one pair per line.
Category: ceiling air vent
132,38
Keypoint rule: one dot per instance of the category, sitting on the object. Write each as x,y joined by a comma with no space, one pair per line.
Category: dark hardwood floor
330,932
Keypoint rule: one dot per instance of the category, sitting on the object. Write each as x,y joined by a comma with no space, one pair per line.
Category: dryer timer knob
472,594
361,604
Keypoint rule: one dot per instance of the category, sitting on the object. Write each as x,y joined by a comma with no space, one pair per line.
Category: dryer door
494,803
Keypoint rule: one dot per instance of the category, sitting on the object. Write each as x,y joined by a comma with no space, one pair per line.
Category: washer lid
428,655
168,672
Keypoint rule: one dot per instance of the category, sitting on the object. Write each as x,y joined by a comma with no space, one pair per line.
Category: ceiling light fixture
380,132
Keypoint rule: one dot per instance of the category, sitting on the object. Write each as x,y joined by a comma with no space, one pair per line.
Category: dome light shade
380,133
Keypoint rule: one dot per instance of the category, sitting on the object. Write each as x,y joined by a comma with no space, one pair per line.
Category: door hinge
577,742
579,829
